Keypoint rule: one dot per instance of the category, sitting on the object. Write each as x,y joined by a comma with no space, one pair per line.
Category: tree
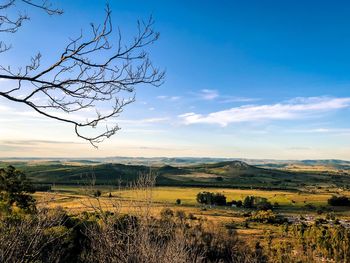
339,201
211,198
90,71
248,202
16,189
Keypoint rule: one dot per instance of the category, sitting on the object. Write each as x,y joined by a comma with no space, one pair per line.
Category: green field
288,202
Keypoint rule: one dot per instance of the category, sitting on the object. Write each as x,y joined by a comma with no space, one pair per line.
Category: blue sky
250,79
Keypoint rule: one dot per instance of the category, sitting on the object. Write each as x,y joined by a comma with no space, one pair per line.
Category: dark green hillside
239,174
235,174
168,169
77,174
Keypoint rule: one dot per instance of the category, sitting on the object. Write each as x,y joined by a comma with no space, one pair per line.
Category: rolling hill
234,174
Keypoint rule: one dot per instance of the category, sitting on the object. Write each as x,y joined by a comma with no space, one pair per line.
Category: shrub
97,193
260,203
191,216
180,214
267,216
264,205
263,217
166,213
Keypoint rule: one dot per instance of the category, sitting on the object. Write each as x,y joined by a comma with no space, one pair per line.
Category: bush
267,216
97,193
191,216
263,217
180,214
166,213
260,203
264,205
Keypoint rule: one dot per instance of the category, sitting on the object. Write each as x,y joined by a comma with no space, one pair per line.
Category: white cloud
208,94
144,121
171,98
323,130
293,109
211,94
228,99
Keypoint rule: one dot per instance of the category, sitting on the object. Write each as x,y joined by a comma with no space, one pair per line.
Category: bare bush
139,236
37,237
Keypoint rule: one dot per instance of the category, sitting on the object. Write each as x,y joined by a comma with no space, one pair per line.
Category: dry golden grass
74,200
311,168
154,200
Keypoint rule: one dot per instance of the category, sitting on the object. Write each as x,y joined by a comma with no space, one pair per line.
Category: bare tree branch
91,73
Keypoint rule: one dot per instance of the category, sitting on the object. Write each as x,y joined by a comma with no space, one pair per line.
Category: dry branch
93,71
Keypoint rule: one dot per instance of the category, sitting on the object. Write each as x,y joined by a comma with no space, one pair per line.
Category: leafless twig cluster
11,24
92,75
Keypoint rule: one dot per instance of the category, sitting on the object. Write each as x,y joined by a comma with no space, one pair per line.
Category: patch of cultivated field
188,195
168,195
198,175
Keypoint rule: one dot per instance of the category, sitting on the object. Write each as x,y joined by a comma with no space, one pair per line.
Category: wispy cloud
323,130
293,109
28,142
208,94
144,121
229,99
171,98
44,148
212,94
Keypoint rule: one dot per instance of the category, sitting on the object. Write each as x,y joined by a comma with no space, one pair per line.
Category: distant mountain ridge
181,160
